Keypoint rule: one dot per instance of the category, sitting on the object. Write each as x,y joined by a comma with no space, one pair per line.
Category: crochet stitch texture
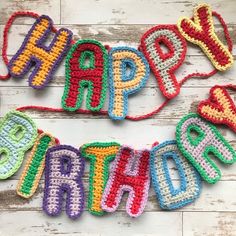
17,134
34,166
100,155
79,75
130,173
33,52
63,172
219,108
200,31
163,65
207,141
169,196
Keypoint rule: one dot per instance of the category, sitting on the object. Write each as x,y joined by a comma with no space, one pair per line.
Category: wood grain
38,224
118,23
50,7
217,224
136,11
212,198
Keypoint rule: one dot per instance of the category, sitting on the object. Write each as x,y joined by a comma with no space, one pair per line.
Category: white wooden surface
118,22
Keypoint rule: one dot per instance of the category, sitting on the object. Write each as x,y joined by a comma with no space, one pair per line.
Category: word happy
123,70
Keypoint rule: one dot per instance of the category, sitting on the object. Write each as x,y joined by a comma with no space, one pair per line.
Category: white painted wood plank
117,224
47,7
112,35
212,198
146,100
136,11
209,224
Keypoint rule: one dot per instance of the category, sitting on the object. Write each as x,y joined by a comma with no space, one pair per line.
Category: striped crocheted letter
197,139
86,66
17,134
99,155
163,64
200,31
33,52
63,173
130,173
219,108
34,167
128,73
169,196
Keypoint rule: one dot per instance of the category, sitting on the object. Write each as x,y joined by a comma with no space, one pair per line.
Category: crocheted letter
63,172
219,108
17,134
33,52
34,167
99,155
163,64
197,139
86,66
169,196
200,31
130,172
128,73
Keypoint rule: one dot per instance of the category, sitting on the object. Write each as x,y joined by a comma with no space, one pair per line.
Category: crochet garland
131,171
126,70
92,65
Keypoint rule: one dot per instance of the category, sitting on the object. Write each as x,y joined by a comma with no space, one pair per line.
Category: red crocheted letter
219,108
163,64
86,66
130,174
200,31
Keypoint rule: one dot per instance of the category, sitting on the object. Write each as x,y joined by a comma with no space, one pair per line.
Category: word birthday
89,64
132,170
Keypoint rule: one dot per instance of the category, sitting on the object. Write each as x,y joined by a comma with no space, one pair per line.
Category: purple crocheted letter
63,172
